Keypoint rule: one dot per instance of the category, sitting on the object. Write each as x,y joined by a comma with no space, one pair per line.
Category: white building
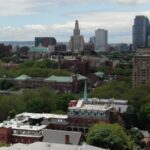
101,36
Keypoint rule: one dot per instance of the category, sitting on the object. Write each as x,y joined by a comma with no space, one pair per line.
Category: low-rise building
40,52
26,127
60,83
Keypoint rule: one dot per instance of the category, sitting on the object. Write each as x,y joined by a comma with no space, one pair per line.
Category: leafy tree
63,101
5,85
111,136
137,137
115,89
10,106
144,116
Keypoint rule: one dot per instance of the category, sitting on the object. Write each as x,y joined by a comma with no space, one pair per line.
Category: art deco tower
76,30
77,40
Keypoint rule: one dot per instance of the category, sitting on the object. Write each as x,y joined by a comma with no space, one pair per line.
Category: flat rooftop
41,115
49,146
16,126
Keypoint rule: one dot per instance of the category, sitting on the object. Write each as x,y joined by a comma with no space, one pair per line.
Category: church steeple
76,30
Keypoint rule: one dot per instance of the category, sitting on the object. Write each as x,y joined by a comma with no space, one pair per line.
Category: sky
22,20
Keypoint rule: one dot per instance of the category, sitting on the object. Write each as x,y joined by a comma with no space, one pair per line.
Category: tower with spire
76,29
76,41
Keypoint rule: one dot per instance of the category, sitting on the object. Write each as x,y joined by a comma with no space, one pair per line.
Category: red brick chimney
67,139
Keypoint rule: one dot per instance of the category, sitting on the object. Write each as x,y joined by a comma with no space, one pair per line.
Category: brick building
72,84
141,68
82,114
77,65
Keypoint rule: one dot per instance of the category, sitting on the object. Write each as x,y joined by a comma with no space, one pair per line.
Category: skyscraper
140,32
77,40
101,36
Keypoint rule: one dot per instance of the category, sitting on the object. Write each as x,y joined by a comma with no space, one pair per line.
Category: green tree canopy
110,136
137,137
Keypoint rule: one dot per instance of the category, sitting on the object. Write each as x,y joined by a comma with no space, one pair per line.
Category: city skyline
30,18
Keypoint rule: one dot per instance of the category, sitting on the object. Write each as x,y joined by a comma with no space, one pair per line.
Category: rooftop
17,126
21,121
39,49
99,74
58,136
23,77
96,107
42,115
65,79
49,146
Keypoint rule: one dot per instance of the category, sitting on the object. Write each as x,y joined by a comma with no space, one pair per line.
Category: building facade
140,32
141,67
76,41
59,83
101,36
39,52
45,41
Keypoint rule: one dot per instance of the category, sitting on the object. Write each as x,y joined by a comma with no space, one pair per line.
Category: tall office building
140,32
77,40
101,36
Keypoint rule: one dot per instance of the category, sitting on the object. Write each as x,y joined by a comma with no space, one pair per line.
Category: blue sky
25,19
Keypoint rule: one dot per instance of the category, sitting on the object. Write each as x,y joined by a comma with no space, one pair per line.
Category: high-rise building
101,36
140,32
141,67
77,40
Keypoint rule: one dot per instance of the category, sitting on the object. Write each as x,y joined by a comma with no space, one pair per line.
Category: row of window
87,113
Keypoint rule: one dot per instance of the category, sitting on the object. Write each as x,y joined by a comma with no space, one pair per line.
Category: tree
144,116
137,137
111,136
114,89
63,101
5,85
10,106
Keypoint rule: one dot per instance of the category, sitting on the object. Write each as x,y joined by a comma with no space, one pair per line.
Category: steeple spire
85,92
76,24
76,30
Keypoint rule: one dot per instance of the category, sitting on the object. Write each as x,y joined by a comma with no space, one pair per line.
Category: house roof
39,49
60,79
64,79
146,134
49,146
23,77
55,136
99,74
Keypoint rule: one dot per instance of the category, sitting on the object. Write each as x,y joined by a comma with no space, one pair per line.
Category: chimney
67,139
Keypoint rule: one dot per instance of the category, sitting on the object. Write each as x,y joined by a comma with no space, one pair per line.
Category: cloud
132,1
119,26
27,7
